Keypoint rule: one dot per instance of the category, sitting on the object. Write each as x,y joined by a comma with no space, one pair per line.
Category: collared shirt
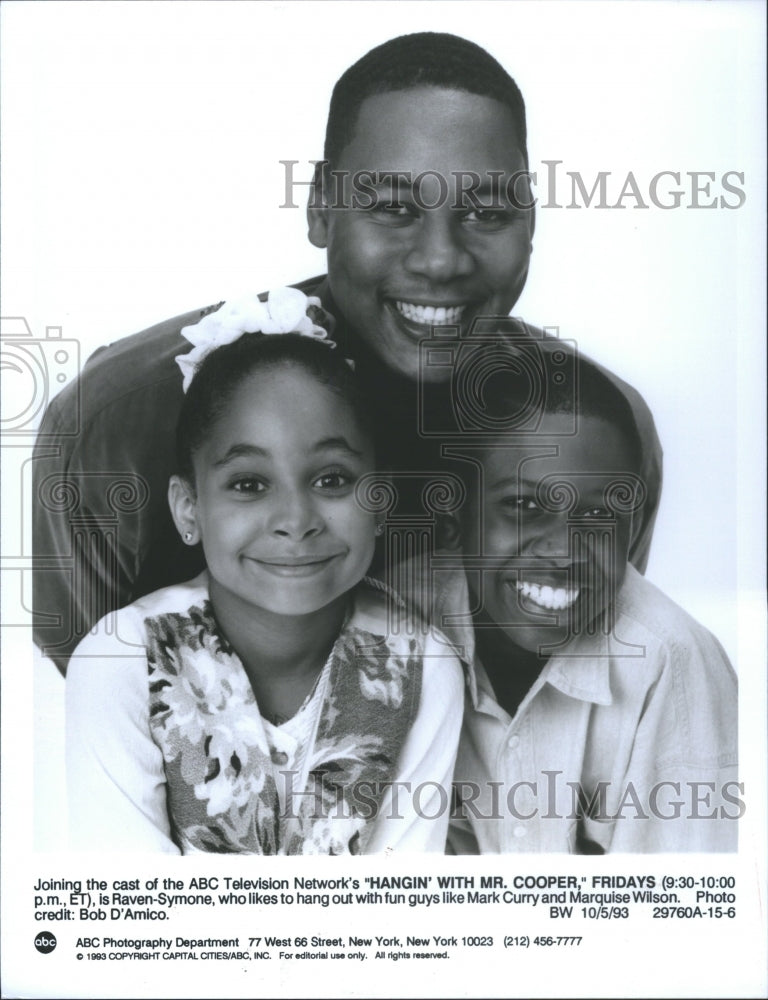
626,741
102,532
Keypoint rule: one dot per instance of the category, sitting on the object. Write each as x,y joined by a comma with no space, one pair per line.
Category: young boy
599,716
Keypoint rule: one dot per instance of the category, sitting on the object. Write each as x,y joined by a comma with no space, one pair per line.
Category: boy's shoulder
645,613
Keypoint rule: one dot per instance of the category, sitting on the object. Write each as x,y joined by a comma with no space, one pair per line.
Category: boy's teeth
431,315
552,598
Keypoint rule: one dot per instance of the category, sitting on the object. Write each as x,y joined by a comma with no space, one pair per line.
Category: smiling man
425,211
429,249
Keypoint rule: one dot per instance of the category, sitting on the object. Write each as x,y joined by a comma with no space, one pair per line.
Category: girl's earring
188,537
380,528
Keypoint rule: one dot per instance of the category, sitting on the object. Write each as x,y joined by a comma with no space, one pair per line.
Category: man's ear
448,532
183,504
317,208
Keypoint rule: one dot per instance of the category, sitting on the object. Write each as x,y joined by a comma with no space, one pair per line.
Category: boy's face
397,267
554,571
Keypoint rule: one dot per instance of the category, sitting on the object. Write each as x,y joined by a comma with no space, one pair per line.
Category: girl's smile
296,567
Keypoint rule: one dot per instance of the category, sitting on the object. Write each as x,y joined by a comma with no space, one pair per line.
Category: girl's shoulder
379,609
120,631
177,598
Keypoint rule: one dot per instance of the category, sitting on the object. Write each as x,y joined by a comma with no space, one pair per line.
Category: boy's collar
581,673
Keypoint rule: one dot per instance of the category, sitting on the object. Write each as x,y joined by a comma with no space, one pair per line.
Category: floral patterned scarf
222,779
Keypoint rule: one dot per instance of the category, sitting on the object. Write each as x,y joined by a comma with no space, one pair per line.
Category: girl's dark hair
424,59
224,370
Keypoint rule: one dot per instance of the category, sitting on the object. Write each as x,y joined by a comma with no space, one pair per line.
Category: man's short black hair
425,59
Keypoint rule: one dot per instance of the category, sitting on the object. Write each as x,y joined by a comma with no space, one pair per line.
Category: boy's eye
591,512
521,503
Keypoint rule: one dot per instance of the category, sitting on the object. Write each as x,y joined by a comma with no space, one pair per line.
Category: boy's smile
275,504
552,546
397,266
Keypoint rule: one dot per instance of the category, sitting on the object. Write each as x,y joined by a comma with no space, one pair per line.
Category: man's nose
295,515
438,251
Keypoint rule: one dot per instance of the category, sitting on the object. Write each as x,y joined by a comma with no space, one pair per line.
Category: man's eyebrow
387,181
495,191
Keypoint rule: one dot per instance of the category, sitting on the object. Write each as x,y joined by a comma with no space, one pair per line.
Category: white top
117,781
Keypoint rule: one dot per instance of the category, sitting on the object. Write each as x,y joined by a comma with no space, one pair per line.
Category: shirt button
513,742
519,831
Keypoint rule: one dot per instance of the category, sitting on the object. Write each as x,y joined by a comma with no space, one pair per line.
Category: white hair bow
285,311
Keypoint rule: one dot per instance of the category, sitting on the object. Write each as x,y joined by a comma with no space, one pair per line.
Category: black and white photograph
383,451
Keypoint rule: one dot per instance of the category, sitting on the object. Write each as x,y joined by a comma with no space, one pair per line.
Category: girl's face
275,504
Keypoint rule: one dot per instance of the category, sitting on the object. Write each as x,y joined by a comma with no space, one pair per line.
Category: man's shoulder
129,370
139,366
167,334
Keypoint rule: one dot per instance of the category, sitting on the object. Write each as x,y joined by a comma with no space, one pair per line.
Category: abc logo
45,943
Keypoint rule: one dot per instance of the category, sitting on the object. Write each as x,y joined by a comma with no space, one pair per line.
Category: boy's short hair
424,59
595,395
581,388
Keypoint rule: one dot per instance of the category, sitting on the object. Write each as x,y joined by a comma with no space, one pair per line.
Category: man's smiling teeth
431,315
552,598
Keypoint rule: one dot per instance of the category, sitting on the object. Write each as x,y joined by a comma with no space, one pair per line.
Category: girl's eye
247,486
332,481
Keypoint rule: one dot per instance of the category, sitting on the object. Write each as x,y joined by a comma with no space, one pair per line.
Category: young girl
263,708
